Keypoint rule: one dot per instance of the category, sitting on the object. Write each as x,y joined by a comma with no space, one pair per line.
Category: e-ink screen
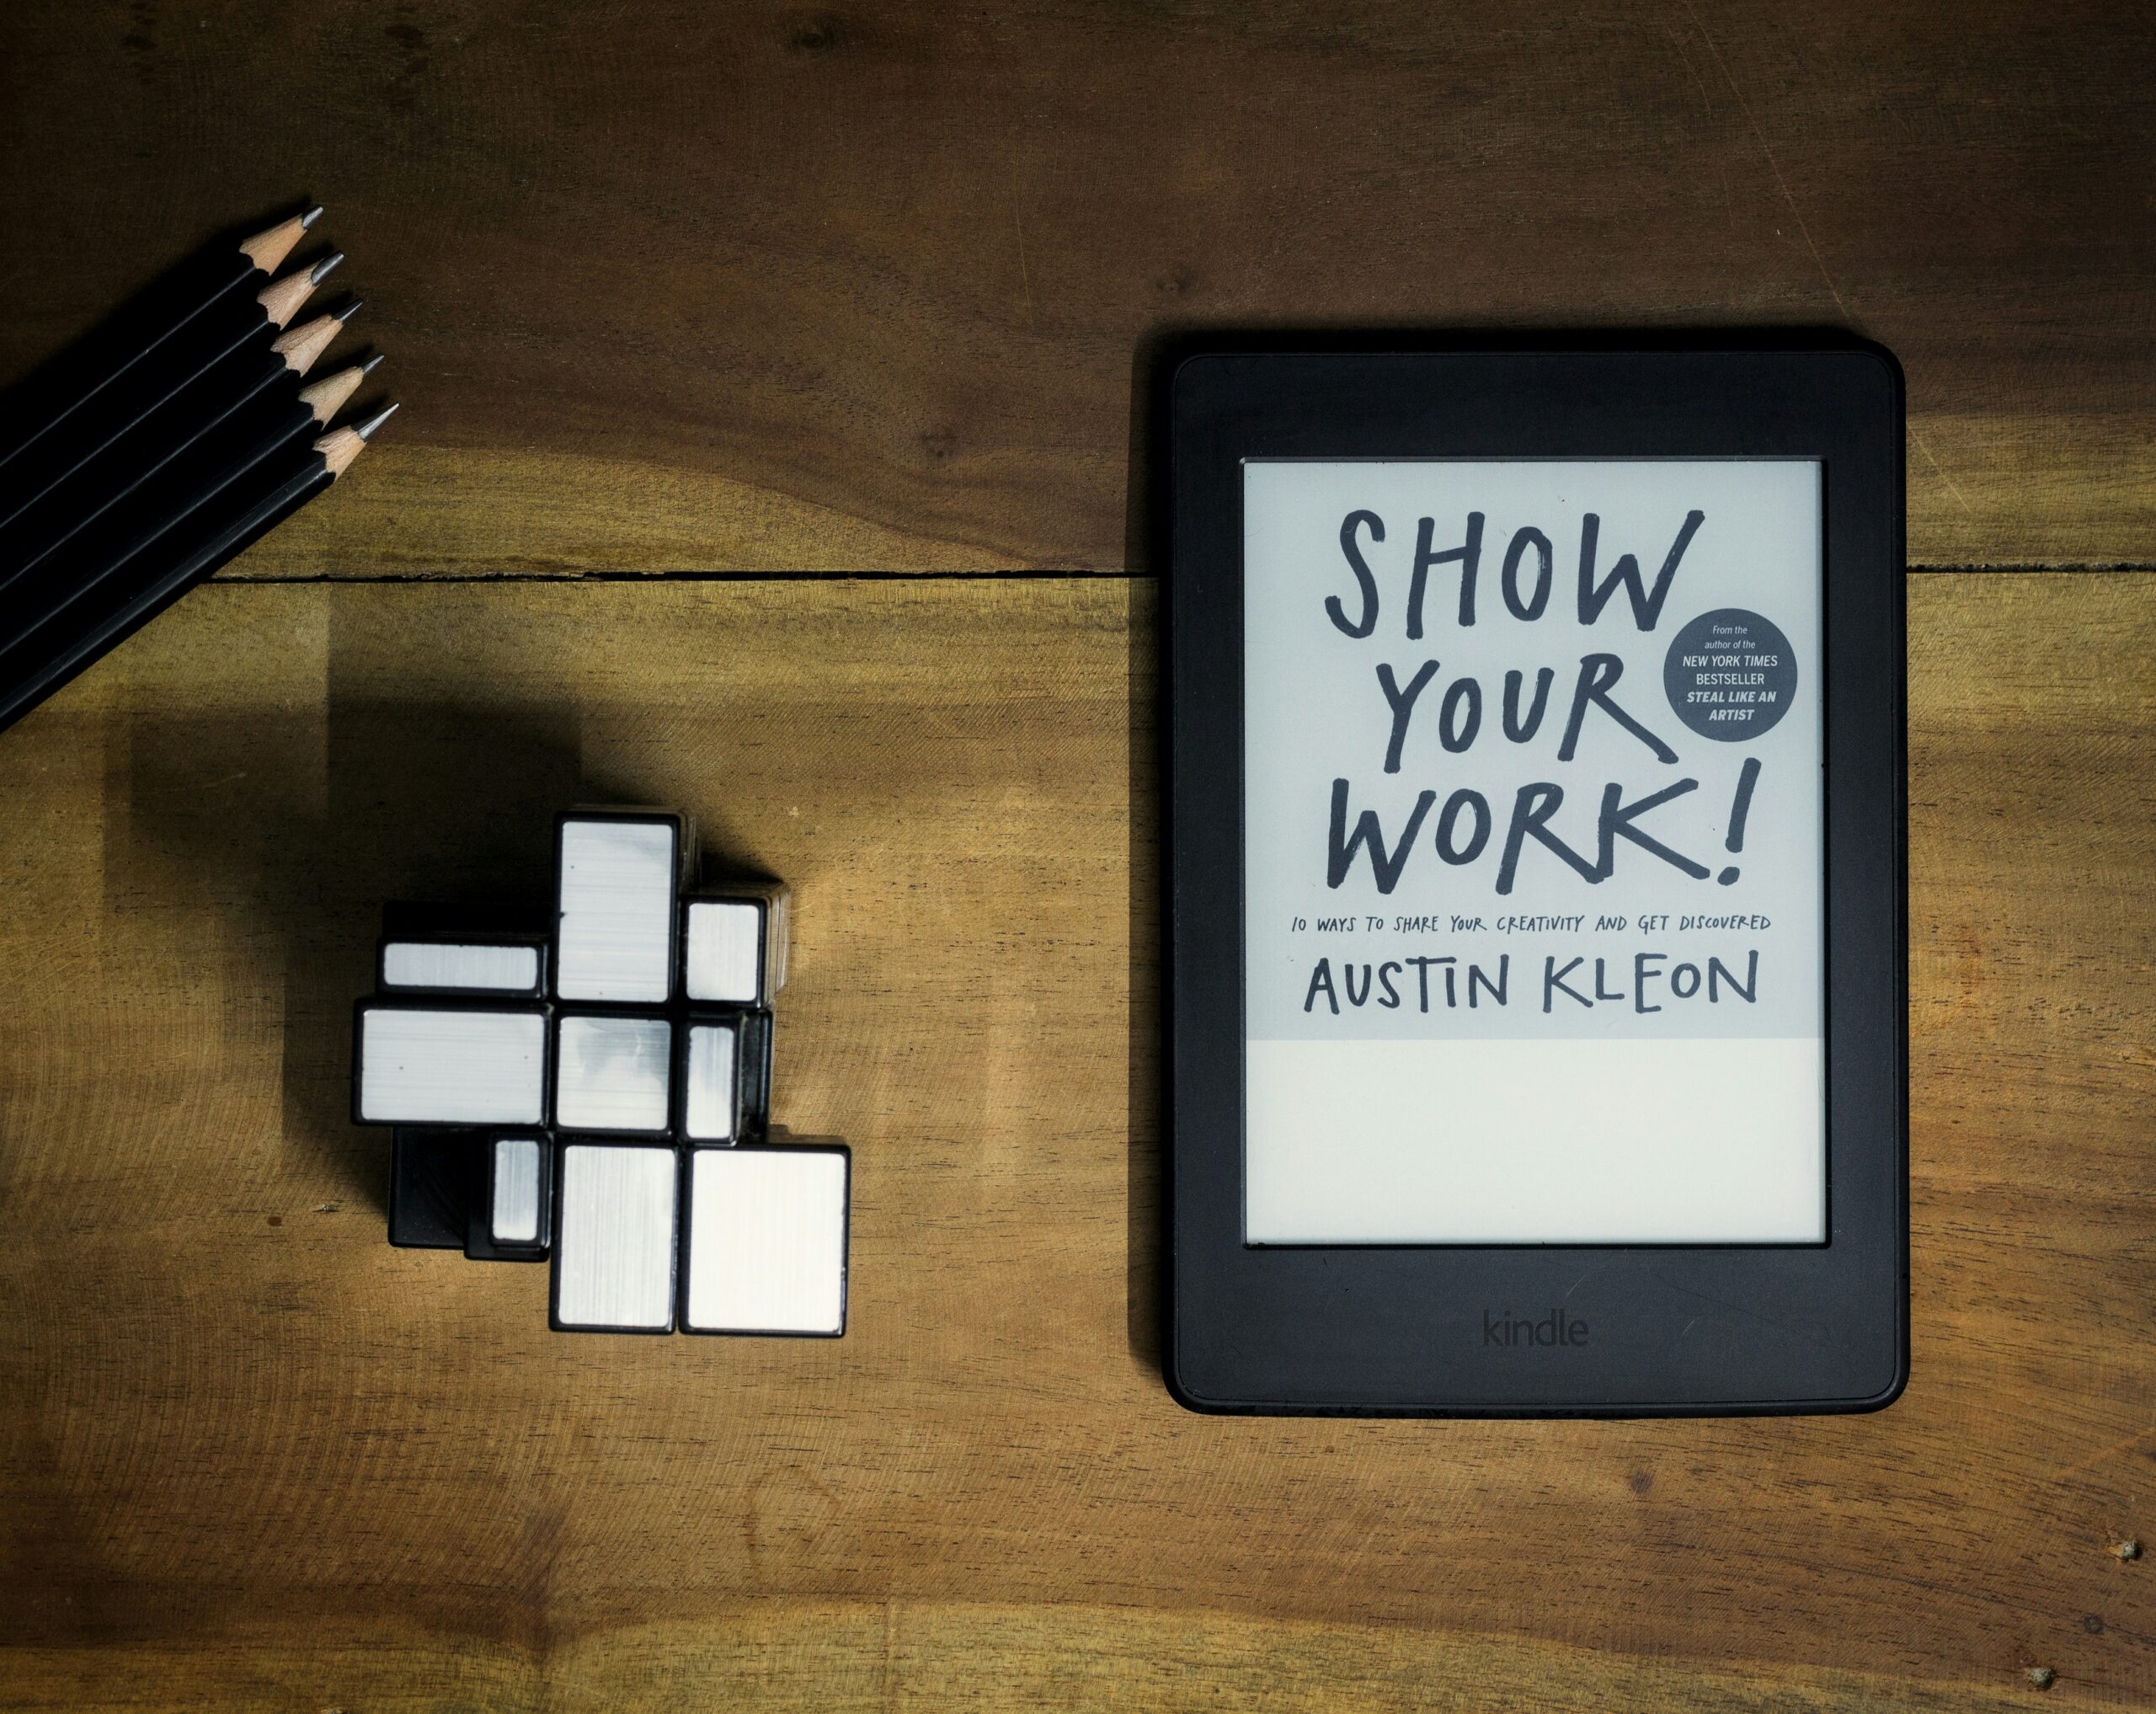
1533,870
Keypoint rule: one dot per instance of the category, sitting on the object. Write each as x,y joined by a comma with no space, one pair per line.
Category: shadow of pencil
62,377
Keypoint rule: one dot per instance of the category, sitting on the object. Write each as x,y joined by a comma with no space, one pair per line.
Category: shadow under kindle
1145,559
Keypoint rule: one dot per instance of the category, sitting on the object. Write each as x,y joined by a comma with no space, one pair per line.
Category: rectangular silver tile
514,1216
614,1238
713,1094
420,1066
766,1240
619,882
419,964
725,951
611,1074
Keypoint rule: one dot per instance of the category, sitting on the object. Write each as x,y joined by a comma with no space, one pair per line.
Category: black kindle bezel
1668,1329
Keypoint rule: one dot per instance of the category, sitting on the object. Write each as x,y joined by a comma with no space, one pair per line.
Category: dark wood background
775,300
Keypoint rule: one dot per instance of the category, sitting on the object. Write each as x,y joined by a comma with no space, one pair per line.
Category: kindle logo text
1554,1328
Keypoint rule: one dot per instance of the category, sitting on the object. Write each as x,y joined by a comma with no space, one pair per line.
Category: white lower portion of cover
1535,1142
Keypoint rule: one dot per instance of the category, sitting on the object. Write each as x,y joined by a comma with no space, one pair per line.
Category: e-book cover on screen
1533,853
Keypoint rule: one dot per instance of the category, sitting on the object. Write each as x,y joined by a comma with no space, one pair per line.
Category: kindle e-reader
1536,973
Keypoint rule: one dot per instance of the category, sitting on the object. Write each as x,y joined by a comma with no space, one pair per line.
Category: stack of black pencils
162,449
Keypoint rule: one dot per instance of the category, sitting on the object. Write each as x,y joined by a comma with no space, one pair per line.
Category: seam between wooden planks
1027,575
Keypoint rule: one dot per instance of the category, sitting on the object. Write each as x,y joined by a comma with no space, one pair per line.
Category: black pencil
219,332
34,669
198,486
224,272
135,461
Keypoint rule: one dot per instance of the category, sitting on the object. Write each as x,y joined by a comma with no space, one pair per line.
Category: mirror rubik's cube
598,1096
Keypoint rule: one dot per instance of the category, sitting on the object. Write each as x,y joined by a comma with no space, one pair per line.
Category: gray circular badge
1730,675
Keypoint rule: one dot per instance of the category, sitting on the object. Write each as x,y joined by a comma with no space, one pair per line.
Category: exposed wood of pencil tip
327,396
268,249
305,343
340,446
281,299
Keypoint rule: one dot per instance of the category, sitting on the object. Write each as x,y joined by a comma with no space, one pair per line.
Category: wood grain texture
250,1457
775,285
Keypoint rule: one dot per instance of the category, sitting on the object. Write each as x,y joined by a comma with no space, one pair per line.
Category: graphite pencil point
365,431
322,268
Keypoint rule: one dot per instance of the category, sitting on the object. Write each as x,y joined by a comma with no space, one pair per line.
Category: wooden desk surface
769,295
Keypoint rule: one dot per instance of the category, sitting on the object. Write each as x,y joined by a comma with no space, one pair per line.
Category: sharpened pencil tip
311,216
365,431
350,309
367,367
320,272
